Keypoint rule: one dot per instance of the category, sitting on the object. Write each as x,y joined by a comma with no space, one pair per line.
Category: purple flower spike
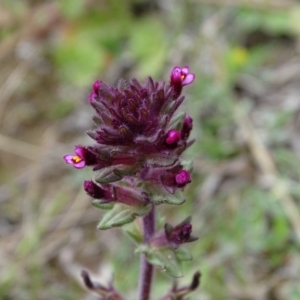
181,76
96,86
182,178
78,160
173,136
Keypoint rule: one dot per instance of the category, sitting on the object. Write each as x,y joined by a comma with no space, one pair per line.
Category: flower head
77,160
84,156
137,137
136,117
181,77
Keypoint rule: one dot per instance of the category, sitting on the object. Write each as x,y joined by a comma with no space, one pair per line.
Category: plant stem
146,269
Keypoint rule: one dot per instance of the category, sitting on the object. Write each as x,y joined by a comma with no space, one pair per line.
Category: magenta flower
173,136
77,160
170,178
182,76
96,86
182,178
179,78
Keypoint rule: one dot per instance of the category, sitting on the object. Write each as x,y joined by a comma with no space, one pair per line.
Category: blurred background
245,102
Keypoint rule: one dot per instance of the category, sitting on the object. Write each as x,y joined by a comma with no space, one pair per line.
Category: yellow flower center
76,159
182,77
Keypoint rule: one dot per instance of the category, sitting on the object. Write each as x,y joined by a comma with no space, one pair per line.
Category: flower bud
180,234
182,178
96,86
174,236
173,136
94,190
187,127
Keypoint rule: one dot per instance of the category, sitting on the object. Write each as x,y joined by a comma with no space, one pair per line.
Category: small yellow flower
239,56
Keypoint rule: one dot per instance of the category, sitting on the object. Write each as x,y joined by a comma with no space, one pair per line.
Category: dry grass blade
18,147
264,160
10,85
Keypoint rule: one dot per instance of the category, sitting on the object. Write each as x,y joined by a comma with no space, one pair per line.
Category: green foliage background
245,103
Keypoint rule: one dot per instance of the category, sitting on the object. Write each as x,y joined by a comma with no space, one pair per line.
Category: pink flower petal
188,79
80,151
176,75
79,165
185,70
69,159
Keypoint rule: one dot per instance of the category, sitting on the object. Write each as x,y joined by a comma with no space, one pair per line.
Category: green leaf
121,215
114,173
105,206
107,175
187,165
124,170
176,199
183,254
135,234
166,260
177,121
160,159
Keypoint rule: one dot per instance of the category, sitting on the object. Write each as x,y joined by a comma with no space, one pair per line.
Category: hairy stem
146,269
